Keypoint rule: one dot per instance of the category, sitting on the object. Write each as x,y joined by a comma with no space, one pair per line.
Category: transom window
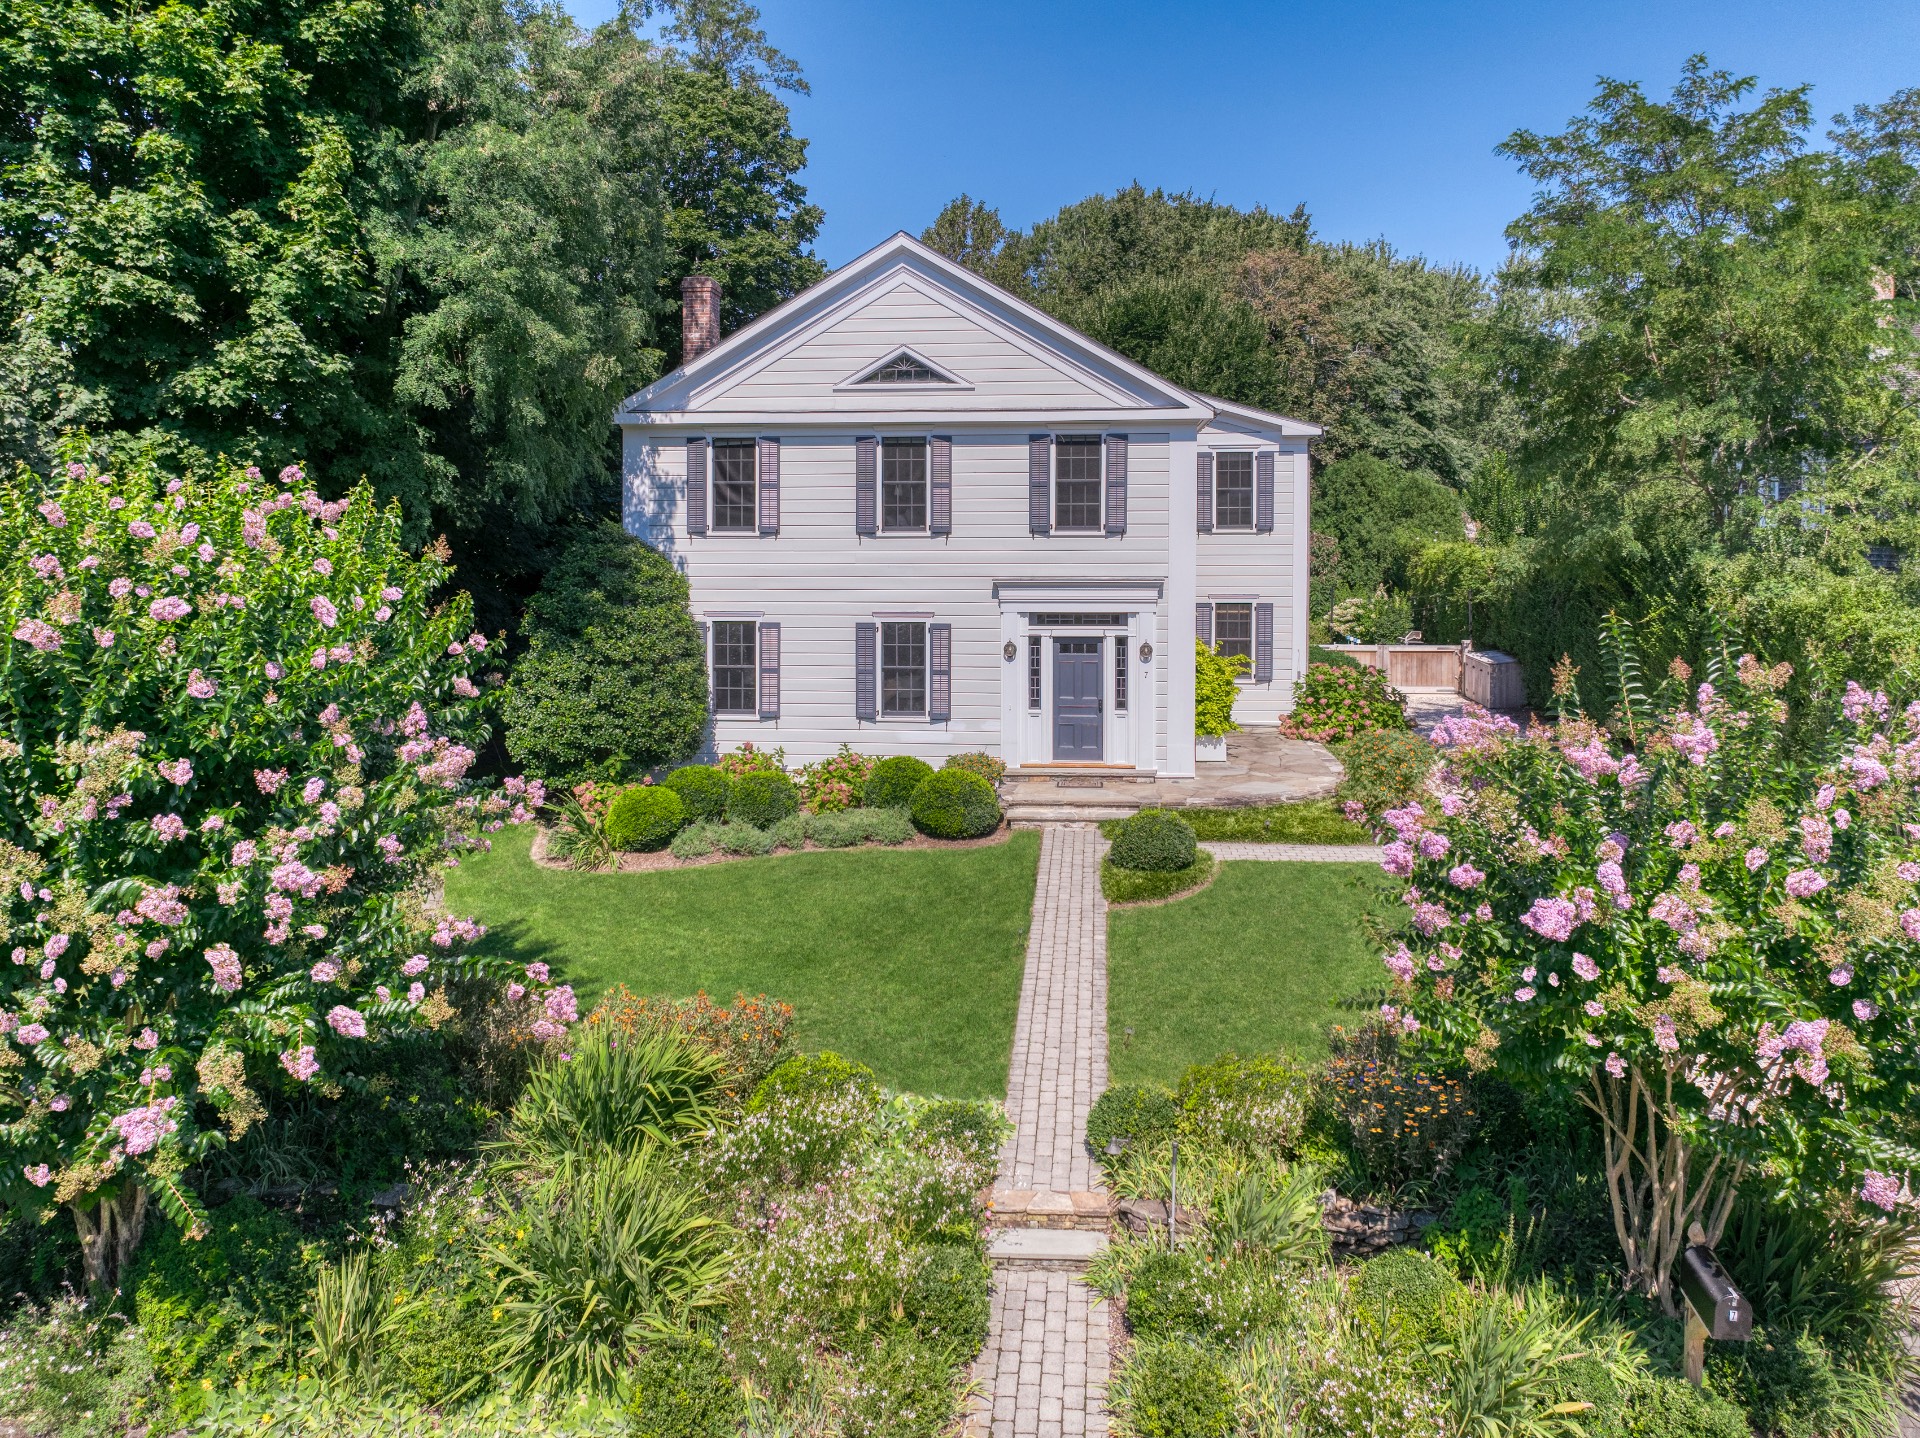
1233,491
1080,621
736,668
736,502
903,484
1076,483
1233,630
904,369
903,668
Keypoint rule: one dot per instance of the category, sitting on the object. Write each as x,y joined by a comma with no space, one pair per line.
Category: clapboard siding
817,578
995,371
1242,564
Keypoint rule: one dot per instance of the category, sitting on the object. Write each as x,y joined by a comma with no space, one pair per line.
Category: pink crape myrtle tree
1713,938
237,725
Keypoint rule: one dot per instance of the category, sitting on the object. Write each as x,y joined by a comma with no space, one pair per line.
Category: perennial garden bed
662,859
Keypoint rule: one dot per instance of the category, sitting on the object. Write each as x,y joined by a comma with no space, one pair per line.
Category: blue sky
1381,117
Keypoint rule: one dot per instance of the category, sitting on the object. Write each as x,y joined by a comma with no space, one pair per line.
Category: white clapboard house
918,515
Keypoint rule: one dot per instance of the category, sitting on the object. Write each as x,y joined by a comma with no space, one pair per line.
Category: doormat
1081,783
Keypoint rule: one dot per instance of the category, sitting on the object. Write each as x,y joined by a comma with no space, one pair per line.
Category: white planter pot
1210,748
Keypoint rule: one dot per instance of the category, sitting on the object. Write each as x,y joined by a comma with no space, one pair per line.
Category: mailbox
1723,1311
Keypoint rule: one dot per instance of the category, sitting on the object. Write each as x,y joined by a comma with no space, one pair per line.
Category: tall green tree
431,244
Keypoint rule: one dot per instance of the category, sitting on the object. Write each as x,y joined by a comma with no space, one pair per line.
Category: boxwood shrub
1179,1390
683,1390
1141,1114
762,799
1154,839
702,788
892,782
955,804
645,818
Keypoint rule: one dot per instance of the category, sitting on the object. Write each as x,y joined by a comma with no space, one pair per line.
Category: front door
1077,718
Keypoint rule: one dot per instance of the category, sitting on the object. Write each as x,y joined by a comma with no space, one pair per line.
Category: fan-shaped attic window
903,368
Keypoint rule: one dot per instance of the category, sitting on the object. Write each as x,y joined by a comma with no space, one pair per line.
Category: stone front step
1028,816
1047,1208
1052,1249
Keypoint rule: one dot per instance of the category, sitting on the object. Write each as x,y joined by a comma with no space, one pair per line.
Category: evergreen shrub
1406,1291
812,1076
1140,1114
645,818
955,804
762,798
893,781
1180,1390
702,788
1154,840
683,1390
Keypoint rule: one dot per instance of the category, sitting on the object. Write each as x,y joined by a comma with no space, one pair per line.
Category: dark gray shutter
1039,463
1263,644
866,681
1116,484
1203,491
1263,491
1203,624
696,486
939,673
866,500
769,486
769,670
940,485
706,658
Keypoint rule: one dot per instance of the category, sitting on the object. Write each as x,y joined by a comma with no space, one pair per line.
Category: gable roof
1108,380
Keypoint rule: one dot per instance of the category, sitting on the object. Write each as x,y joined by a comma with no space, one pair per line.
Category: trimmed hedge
892,782
1155,841
762,799
702,788
954,804
644,819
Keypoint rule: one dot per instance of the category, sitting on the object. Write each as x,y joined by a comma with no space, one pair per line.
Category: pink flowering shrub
1715,942
213,827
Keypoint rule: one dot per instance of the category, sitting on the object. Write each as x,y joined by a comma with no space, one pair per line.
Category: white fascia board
879,263
1292,428
874,421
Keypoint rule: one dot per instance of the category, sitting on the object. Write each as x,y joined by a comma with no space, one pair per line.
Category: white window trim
880,481
1053,482
752,444
712,686
918,716
1252,601
1252,526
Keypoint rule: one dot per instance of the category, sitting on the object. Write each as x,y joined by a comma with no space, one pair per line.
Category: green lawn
1266,958
1312,821
908,960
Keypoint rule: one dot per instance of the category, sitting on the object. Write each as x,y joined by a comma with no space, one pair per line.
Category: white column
1301,541
1013,690
1182,592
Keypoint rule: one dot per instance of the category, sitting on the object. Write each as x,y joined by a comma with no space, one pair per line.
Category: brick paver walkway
1295,853
1060,1039
1044,1371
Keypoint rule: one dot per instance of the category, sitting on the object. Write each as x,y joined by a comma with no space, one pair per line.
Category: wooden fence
1409,666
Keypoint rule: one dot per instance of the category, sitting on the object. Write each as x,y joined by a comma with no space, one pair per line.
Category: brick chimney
699,317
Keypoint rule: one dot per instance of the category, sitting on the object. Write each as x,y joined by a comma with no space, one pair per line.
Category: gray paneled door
1078,729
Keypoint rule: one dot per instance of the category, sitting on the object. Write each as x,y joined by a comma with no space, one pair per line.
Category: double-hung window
1233,490
1233,630
736,666
903,668
736,489
903,486
1078,500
